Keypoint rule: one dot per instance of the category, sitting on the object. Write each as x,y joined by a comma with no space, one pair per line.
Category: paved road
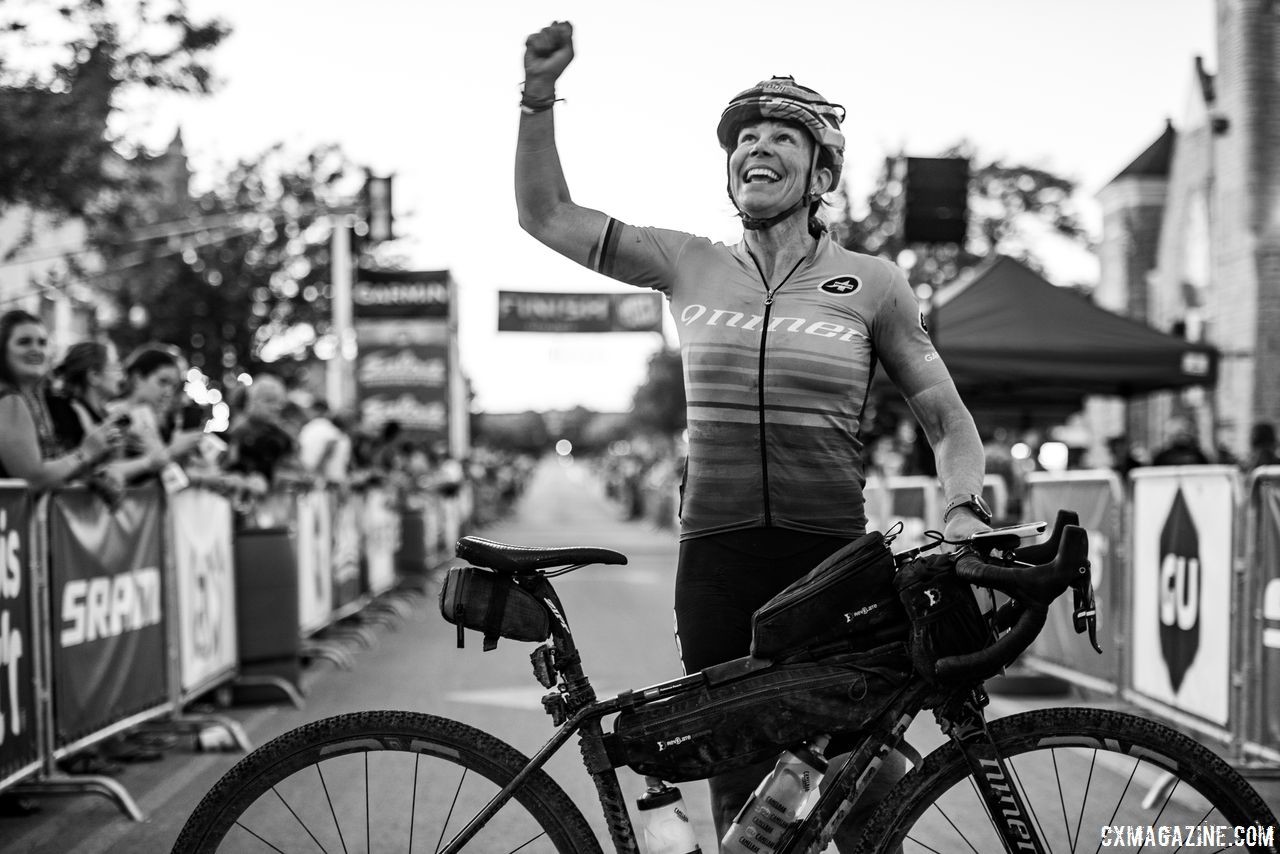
621,617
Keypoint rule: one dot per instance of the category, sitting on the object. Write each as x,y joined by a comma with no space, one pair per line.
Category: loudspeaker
937,200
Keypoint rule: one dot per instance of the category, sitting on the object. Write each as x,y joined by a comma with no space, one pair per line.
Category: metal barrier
114,620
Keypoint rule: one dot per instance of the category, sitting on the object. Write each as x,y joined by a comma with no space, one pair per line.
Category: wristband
529,106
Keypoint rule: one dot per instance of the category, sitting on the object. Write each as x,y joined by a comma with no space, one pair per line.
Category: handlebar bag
495,604
850,596
944,613
748,710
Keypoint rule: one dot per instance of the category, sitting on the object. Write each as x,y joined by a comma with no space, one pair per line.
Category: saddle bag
849,596
747,710
495,604
944,613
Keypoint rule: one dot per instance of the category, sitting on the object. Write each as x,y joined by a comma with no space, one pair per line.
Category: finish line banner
523,311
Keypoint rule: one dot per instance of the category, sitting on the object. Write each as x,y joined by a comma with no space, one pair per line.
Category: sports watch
974,503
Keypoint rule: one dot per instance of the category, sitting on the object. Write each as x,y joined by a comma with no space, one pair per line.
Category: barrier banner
201,525
1266,573
107,593
1180,589
381,525
1097,497
18,746
315,573
346,549
911,500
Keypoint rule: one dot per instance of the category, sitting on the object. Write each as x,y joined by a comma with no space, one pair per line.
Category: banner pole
340,309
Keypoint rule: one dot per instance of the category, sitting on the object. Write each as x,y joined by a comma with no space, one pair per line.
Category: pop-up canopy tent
1017,344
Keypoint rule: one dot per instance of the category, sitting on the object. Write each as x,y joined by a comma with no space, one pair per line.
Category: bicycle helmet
782,99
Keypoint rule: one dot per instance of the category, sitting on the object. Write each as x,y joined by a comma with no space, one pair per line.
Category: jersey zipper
764,335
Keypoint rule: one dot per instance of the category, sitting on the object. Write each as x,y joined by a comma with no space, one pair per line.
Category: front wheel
382,781
1092,780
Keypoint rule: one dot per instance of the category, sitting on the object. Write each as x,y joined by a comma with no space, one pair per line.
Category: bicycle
994,785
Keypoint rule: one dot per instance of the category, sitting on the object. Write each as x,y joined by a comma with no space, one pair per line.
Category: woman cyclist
780,335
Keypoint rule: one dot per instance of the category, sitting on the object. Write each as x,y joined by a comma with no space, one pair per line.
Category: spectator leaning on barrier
154,377
1183,448
1262,447
29,447
323,448
260,445
822,314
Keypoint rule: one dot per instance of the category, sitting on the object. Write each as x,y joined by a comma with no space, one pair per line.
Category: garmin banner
1180,587
1265,580
404,333
18,746
200,528
523,311
107,593
1097,498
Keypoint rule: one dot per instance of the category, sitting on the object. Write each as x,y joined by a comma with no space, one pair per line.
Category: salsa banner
200,526
523,311
18,746
1097,498
1180,587
107,592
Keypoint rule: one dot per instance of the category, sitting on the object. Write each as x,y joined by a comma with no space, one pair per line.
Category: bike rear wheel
1086,776
382,781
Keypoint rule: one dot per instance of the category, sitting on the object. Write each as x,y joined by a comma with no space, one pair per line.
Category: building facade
1191,234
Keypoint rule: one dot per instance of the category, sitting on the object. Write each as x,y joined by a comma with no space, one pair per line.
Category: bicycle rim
381,781
1092,780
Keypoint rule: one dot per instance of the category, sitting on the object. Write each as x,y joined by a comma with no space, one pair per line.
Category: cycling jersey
776,375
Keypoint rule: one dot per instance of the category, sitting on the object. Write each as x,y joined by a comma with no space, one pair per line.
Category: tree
1001,197
56,149
659,403
248,286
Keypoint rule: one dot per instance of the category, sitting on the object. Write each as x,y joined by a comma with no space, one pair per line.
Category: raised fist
547,53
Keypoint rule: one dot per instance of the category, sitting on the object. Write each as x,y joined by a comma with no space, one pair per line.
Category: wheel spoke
298,818
368,845
449,816
332,811
413,804
1027,799
259,838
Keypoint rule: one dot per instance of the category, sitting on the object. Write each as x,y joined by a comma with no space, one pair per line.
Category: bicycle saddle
525,559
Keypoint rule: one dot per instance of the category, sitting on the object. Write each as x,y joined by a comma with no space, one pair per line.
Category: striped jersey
776,374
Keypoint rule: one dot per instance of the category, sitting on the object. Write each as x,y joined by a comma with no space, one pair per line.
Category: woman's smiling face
27,353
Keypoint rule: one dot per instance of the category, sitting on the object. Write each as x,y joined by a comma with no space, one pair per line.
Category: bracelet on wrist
530,105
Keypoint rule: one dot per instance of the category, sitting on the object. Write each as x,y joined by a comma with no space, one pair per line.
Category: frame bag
849,596
944,613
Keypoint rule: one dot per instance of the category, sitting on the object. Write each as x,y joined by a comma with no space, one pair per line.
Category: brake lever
1085,614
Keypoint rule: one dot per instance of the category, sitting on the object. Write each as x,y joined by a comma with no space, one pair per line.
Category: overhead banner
201,531
405,338
18,745
1097,498
1266,570
107,593
523,311
1180,587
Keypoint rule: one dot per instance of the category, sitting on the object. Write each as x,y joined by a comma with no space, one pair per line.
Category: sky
429,91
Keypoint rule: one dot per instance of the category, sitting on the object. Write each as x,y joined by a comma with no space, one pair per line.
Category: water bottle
781,800
665,821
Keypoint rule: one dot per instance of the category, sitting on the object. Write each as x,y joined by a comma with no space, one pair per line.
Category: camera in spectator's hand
122,420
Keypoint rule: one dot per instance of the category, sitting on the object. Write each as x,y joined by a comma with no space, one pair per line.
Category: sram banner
523,311
107,592
18,746
1180,587
201,526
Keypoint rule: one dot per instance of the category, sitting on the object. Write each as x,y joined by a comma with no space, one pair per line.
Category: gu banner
1180,589
1266,570
107,592
520,311
1097,498
18,746
201,527
403,323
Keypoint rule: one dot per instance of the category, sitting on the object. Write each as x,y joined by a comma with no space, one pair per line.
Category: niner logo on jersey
842,285
738,320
